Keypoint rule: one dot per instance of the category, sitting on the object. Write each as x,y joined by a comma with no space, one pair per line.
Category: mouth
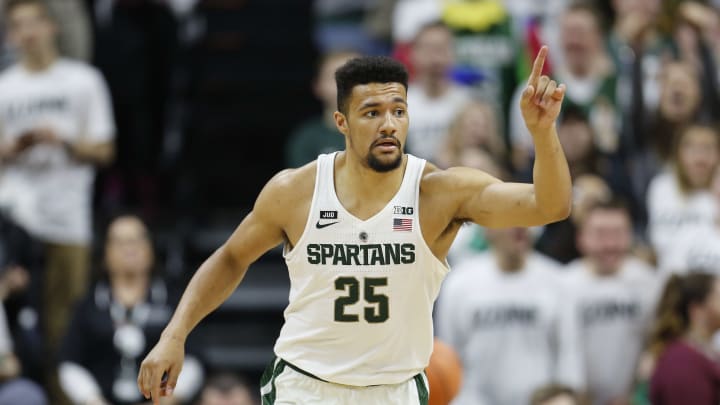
387,144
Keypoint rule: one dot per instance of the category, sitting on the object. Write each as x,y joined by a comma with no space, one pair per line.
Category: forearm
211,285
551,176
92,152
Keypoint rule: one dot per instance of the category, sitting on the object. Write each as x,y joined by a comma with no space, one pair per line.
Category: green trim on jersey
267,381
423,394
277,366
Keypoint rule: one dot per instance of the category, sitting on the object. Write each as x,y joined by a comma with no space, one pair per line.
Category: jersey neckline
336,199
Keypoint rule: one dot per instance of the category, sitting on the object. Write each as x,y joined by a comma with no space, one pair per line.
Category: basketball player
366,231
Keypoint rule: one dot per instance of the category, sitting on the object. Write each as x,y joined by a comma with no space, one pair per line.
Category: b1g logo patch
398,210
328,214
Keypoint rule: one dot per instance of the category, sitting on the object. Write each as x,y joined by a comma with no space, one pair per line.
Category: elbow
228,259
558,212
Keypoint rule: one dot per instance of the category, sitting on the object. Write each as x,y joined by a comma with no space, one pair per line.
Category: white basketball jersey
361,292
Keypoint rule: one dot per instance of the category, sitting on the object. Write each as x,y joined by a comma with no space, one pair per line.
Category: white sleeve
190,380
570,368
77,383
99,124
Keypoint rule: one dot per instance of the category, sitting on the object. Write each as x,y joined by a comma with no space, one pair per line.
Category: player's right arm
214,281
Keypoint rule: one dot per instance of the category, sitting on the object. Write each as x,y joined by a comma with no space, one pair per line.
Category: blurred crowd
617,305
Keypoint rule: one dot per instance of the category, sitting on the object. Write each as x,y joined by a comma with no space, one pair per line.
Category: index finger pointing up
538,66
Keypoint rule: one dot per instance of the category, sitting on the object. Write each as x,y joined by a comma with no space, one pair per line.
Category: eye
371,114
399,112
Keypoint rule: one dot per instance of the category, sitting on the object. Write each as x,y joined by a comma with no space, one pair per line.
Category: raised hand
542,98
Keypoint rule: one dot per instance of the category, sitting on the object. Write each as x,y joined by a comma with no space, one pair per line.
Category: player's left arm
491,202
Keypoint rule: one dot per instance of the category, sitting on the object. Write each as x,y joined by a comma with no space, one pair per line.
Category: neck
434,86
39,61
599,271
365,182
130,289
581,72
700,336
510,263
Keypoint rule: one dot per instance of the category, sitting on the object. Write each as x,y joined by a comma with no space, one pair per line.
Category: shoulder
459,94
662,184
469,272
289,185
575,272
635,268
9,75
472,264
80,72
544,266
286,193
677,359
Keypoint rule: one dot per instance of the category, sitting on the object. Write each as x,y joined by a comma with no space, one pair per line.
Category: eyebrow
377,104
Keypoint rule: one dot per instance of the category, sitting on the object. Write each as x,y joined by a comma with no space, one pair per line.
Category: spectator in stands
637,47
488,55
504,314
75,32
697,247
21,269
115,325
474,127
14,390
6,52
557,240
687,369
471,238
653,131
433,99
319,134
343,24
55,127
695,34
584,159
681,197
226,389
613,295
590,77
555,394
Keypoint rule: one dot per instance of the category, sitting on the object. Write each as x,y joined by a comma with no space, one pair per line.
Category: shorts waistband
313,376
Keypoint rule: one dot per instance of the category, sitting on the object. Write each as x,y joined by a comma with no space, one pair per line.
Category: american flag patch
402,224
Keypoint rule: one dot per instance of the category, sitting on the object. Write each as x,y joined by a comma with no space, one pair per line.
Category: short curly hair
365,70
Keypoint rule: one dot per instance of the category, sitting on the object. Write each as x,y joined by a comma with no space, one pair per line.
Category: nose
388,126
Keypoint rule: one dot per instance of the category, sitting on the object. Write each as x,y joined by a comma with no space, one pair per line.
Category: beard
382,166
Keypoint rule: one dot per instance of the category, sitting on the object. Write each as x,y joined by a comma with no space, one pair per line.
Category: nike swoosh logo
321,226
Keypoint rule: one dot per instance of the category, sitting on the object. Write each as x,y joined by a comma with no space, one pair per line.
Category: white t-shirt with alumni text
45,190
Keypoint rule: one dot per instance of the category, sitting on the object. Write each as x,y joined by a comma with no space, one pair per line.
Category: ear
341,123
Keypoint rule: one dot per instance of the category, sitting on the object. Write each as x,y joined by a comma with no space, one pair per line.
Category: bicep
252,238
491,202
